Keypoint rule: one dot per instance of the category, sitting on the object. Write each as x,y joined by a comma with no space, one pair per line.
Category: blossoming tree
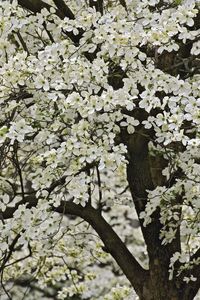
99,143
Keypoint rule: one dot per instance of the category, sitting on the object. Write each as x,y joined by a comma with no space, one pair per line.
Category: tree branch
37,5
62,7
98,5
22,41
114,245
123,3
11,250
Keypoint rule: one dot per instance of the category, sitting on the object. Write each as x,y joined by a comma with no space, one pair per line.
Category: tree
100,111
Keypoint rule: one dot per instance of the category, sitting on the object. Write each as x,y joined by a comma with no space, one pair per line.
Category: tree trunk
142,175
160,289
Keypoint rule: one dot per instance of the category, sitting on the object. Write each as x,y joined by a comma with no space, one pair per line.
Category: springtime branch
97,4
129,265
36,6
22,41
123,3
113,244
46,292
62,6
11,250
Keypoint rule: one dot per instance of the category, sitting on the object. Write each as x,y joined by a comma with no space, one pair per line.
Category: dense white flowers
69,88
